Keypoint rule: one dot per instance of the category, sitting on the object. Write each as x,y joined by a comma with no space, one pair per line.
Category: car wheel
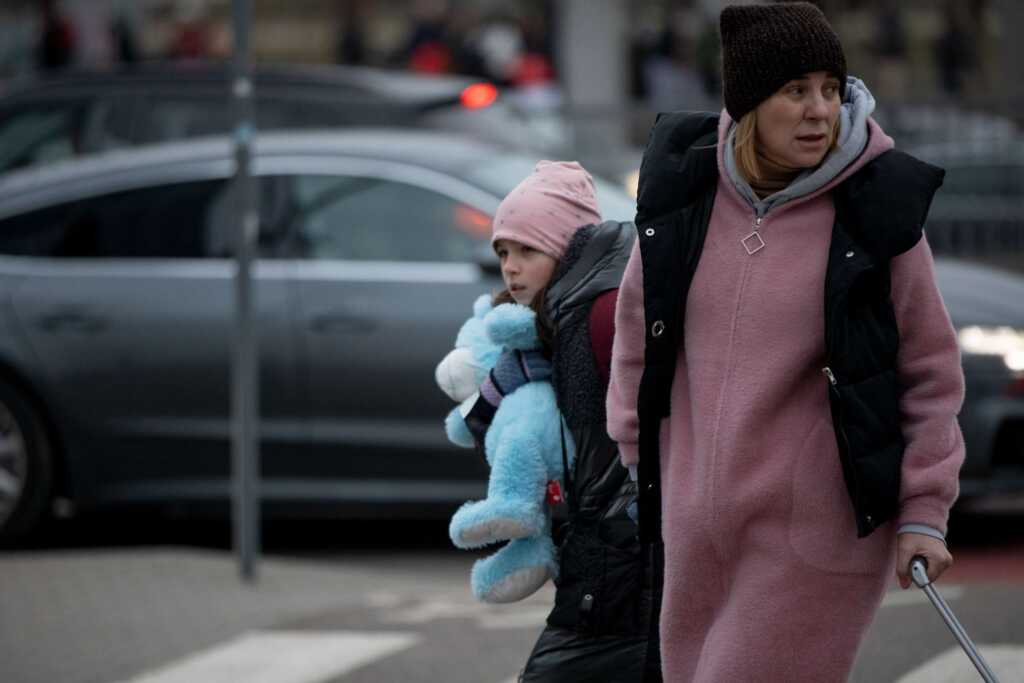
26,465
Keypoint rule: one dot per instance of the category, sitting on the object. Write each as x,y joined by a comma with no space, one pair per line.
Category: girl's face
524,269
794,126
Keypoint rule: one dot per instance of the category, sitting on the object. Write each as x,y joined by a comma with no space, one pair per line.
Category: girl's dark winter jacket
604,625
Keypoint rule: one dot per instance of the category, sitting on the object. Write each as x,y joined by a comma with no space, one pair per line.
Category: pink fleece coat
765,578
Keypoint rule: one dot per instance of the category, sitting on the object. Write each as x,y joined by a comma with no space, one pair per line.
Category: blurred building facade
921,51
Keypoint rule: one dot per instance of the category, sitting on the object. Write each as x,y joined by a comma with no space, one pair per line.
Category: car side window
374,219
56,130
40,135
307,110
177,118
182,220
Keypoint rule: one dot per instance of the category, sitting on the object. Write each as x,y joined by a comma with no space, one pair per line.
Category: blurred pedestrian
56,46
125,43
559,258
191,39
780,310
954,51
500,42
426,50
351,45
707,59
460,36
93,38
670,79
535,65
891,51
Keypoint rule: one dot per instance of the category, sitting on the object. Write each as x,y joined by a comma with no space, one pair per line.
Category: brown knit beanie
763,46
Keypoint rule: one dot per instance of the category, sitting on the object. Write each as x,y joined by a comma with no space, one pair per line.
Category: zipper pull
828,373
753,242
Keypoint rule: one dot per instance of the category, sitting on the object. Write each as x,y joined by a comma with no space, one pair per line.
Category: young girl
558,258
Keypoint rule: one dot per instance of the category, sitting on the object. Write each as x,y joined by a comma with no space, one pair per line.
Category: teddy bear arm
518,470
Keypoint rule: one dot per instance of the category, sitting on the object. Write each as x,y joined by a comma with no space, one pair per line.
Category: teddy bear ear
513,326
456,374
482,306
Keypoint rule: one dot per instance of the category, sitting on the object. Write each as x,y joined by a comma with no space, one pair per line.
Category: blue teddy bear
523,447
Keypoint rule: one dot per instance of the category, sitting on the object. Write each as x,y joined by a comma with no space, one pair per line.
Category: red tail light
1016,387
479,95
472,222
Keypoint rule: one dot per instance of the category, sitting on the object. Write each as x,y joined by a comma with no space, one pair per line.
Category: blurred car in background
116,328
116,325
978,214
980,209
84,112
985,305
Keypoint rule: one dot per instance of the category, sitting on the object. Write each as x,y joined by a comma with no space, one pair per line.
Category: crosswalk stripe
953,666
281,657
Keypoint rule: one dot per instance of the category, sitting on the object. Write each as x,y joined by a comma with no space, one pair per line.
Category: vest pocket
871,423
871,409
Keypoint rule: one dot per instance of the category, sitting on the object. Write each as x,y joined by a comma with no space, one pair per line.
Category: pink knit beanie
547,207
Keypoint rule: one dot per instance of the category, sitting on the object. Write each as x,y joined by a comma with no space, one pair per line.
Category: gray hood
857,106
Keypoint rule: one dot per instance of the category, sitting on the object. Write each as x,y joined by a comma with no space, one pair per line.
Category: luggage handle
919,574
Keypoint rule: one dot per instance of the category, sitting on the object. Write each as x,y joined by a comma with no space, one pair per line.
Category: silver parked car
78,112
987,307
116,322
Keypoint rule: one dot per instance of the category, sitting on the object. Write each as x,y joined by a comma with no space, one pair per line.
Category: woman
558,257
784,372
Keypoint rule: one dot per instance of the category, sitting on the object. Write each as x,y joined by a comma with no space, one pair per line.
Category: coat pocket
822,527
600,587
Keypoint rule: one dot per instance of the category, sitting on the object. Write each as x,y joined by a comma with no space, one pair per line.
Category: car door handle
71,320
340,323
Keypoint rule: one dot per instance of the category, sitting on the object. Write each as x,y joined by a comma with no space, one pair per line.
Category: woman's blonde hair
745,145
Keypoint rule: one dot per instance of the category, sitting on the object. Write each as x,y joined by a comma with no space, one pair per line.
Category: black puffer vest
598,629
880,213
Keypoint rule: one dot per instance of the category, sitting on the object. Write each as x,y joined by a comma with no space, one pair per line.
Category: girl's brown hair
545,327
745,145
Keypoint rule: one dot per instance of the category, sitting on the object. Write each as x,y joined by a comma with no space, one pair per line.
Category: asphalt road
124,598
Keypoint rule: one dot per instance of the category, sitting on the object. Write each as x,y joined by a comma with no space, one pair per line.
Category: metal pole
594,79
245,385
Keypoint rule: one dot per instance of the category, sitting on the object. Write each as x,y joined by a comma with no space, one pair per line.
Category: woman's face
524,269
794,125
